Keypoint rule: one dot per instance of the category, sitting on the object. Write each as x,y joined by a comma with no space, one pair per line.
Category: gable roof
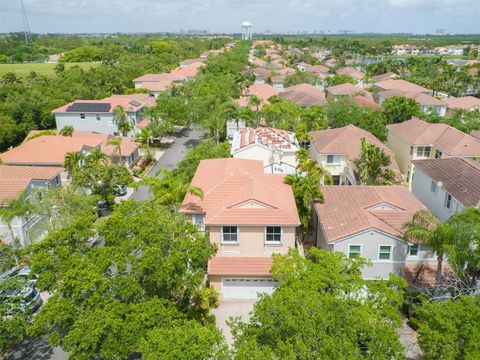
476,134
304,95
357,75
420,97
446,138
15,179
403,85
240,266
349,210
459,177
230,185
382,77
127,102
464,102
345,90
366,102
262,91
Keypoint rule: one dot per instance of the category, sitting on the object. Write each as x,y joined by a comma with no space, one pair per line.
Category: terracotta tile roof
357,75
189,62
240,266
476,134
419,97
349,210
258,62
237,192
447,139
270,138
147,99
286,71
127,147
262,73
387,76
157,77
364,101
318,69
163,85
464,102
262,91
459,177
345,90
422,276
400,85
144,123
15,179
346,141
304,95
186,72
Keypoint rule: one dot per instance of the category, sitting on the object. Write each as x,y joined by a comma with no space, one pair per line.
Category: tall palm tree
122,120
309,167
426,228
144,136
67,130
72,161
116,142
96,156
254,100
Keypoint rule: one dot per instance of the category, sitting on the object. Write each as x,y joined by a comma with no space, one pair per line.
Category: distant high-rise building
246,30
441,31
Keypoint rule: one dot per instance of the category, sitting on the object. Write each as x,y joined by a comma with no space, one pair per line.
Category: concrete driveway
231,309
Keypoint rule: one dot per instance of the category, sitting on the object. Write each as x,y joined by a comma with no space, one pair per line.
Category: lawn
40,68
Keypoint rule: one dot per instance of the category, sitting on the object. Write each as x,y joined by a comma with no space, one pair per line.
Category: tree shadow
31,348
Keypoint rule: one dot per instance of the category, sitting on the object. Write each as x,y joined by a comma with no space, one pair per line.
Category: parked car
21,300
102,208
120,190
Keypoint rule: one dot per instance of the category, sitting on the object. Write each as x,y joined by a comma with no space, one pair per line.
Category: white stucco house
274,147
367,222
16,181
447,186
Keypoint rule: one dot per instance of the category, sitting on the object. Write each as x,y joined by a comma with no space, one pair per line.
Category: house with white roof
274,147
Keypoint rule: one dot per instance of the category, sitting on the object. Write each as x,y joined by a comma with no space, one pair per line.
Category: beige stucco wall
256,152
251,242
343,168
401,150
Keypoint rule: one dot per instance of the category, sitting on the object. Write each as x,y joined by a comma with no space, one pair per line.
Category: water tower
246,30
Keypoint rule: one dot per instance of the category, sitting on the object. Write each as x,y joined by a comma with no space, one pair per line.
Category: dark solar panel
89,107
135,103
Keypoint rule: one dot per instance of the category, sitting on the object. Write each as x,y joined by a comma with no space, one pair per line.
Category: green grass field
22,70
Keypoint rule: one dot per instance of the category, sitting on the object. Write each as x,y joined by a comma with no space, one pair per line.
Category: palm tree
72,161
254,100
372,165
309,167
122,120
96,156
67,130
144,136
426,228
116,142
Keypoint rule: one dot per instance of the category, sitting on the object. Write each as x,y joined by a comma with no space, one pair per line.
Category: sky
382,16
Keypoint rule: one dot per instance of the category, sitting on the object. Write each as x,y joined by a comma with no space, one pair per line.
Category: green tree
95,157
120,118
14,209
339,79
334,319
72,161
373,165
67,130
116,142
399,109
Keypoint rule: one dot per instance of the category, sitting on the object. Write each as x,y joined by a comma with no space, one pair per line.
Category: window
448,201
354,251
197,219
273,234
333,159
433,187
384,252
413,250
411,150
82,116
229,234
423,151
98,117
336,179
438,154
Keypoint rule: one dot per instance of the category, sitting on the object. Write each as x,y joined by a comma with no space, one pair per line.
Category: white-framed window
448,201
413,250
384,252
197,219
273,234
433,187
82,116
354,251
423,151
230,234
98,117
333,159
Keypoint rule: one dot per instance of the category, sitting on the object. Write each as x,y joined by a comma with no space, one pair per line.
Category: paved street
172,156
37,349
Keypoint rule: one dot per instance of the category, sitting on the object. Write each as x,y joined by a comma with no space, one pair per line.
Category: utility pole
26,25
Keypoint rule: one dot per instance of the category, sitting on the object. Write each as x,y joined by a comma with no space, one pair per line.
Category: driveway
231,309
184,140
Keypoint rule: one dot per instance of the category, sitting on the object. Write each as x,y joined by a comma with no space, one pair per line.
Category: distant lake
375,60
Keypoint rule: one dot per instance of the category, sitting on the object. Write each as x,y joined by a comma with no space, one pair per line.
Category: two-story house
357,75
345,90
447,186
249,215
276,148
466,103
337,149
416,139
426,102
98,115
367,222
23,229
304,95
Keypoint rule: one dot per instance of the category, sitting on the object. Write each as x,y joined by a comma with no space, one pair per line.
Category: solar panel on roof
135,103
89,107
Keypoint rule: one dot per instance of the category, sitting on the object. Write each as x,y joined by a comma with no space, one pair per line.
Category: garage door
246,288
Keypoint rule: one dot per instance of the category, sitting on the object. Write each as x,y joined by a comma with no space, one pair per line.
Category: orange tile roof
419,97
148,99
230,185
464,102
349,210
127,147
15,179
476,134
304,95
357,75
366,102
403,85
447,139
240,266
422,276
262,91
157,77
345,90
162,85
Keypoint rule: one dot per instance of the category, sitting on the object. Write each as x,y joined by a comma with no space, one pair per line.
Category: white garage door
246,288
